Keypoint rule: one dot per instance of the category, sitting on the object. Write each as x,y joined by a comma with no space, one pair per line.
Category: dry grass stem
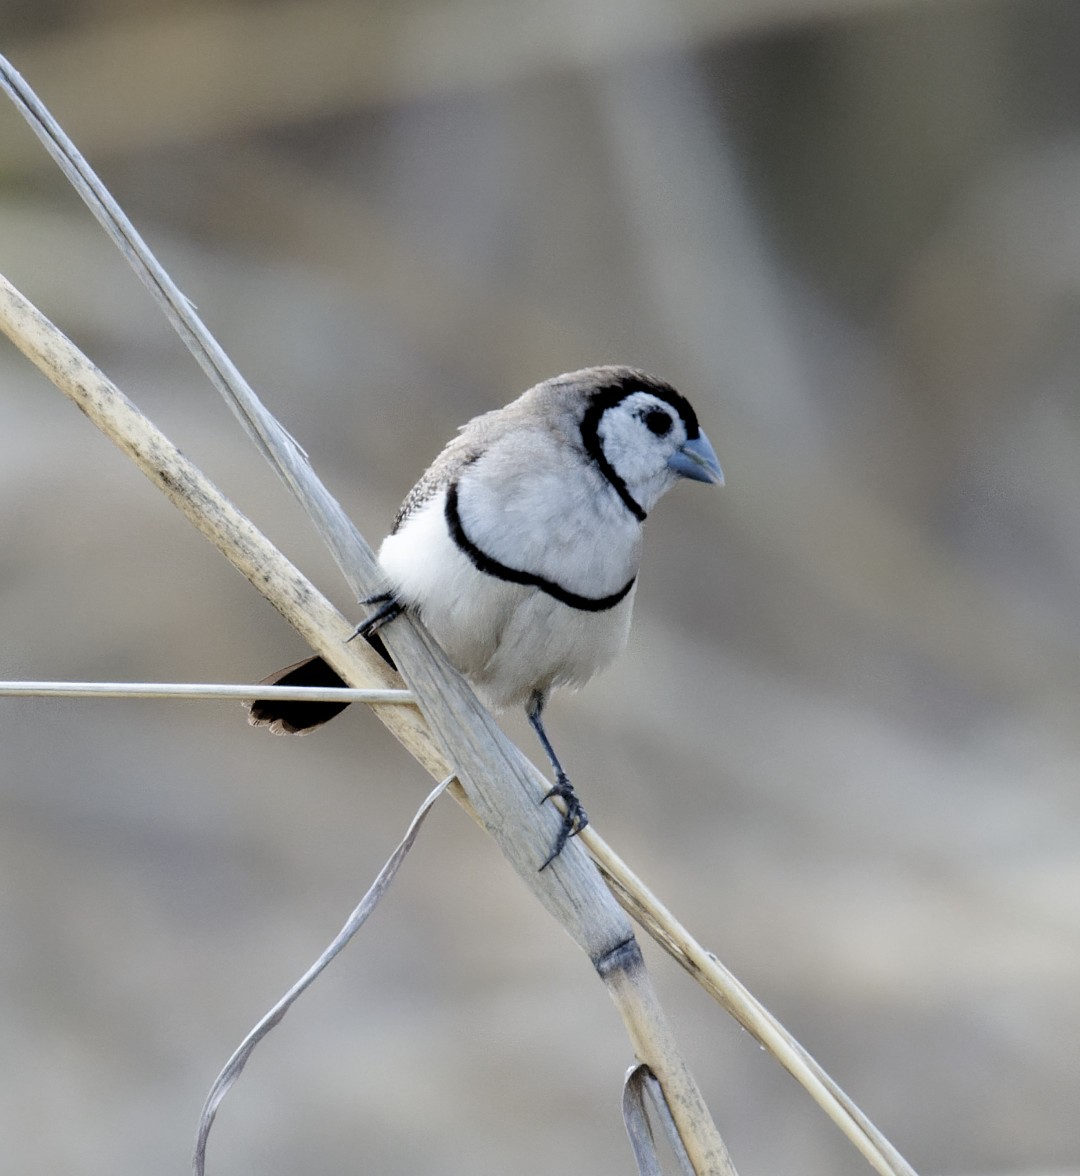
199,690
234,1067
638,1083
639,901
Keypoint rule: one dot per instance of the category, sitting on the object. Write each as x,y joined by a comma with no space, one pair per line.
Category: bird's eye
657,421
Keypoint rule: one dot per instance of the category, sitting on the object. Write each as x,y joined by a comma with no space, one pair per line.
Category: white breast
553,514
508,639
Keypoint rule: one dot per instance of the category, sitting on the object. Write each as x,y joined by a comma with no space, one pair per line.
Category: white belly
509,640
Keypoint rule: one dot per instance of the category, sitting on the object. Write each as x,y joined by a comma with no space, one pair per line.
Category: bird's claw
574,820
389,609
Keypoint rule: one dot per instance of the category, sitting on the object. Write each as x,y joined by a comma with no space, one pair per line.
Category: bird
519,547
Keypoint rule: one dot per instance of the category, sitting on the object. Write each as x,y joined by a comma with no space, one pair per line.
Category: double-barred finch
519,547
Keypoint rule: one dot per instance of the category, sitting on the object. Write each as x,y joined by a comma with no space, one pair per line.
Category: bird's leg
575,818
389,609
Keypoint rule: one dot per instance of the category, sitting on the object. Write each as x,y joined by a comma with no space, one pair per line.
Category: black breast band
491,567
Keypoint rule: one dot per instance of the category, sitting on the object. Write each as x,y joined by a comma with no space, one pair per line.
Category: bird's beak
697,459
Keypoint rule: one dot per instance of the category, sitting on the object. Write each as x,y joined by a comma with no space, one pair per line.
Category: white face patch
638,437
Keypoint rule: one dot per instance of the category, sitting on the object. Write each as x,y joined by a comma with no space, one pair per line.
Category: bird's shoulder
496,434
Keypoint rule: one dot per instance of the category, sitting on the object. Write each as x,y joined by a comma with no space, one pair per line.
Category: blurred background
843,745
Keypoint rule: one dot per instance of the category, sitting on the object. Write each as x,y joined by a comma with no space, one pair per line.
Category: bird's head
643,435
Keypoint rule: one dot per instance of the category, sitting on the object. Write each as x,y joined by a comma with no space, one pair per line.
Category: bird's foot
390,608
574,820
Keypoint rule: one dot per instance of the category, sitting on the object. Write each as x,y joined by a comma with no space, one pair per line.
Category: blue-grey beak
697,459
